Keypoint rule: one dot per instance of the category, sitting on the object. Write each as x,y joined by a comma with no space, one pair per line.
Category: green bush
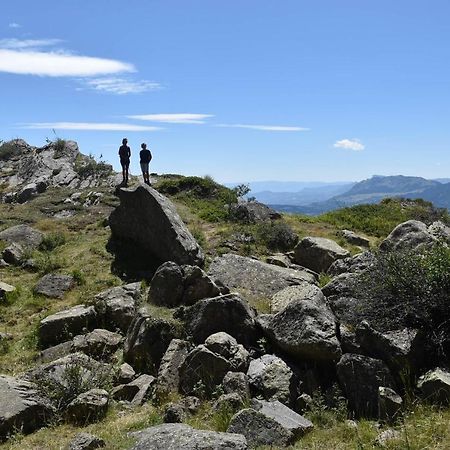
59,145
90,167
51,241
8,150
276,235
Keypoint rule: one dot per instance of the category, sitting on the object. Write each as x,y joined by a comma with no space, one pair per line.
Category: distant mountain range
319,198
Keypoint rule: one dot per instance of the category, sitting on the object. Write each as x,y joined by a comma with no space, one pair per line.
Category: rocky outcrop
149,221
225,345
291,294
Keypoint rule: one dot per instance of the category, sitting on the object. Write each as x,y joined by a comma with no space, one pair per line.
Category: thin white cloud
121,86
350,144
14,25
264,127
89,126
20,44
173,118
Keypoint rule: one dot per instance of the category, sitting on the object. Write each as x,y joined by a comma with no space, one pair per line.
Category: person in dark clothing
125,155
146,157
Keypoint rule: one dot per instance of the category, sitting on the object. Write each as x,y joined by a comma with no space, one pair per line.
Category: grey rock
13,254
435,386
409,235
180,436
5,289
27,193
179,411
225,345
126,374
271,378
116,306
318,253
197,285
57,351
290,294
168,376
147,340
54,285
269,423
360,377
24,235
98,343
21,409
88,407
440,231
279,260
255,277
150,221
389,404
145,384
229,313
166,287
228,403
352,238
305,328
63,325
352,264
236,382
252,212
202,372
86,441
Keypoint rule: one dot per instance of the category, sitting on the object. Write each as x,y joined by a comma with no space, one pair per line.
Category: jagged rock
253,276
352,264
23,235
236,382
202,370
318,254
5,289
168,376
65,324
126,374
225,345
197,285
269,423
290,294
180,436
86,441
21,409
306,328
166,287
352,238
149,221
116,307
408,235
271,378
435,386
98,343
88,407
252,212
54,285
360,377
227,313
389,404
13,254
147,340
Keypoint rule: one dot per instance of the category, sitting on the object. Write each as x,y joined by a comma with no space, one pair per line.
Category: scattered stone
240,272
86,441
181,436
150,222
13,254
54,285
65,324
166,287
23,235
435,386
354,239
5,289
409,235
389,404
98,343
271,378
318,253
238,383
88,407
225,345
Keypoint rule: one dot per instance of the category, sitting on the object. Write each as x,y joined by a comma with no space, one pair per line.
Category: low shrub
51,241
276,235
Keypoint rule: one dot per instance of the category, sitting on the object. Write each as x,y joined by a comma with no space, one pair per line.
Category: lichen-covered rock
409,235
290,294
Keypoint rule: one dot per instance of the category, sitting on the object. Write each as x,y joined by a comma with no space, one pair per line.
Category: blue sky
241,90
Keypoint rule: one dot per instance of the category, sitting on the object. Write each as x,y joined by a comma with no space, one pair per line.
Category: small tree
241,190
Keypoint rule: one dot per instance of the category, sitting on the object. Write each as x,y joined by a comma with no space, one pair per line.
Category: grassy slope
84,253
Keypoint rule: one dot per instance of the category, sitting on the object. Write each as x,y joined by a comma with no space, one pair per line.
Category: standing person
146,157
125,155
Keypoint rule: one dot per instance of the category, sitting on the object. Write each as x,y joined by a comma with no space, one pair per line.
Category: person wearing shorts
125,155
146,157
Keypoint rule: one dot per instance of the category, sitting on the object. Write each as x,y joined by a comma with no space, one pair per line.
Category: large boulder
167,285
54,285
150,222
408,236
98,343
318,254
306,328
24,235
229,313
225,345
290,294
361,377
252,212
255,277
21,409
435,386
89,406
177,436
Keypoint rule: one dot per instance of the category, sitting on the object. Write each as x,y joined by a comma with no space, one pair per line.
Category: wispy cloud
89,126
17,44
264,127
14,25
173,118
120,86
350,144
